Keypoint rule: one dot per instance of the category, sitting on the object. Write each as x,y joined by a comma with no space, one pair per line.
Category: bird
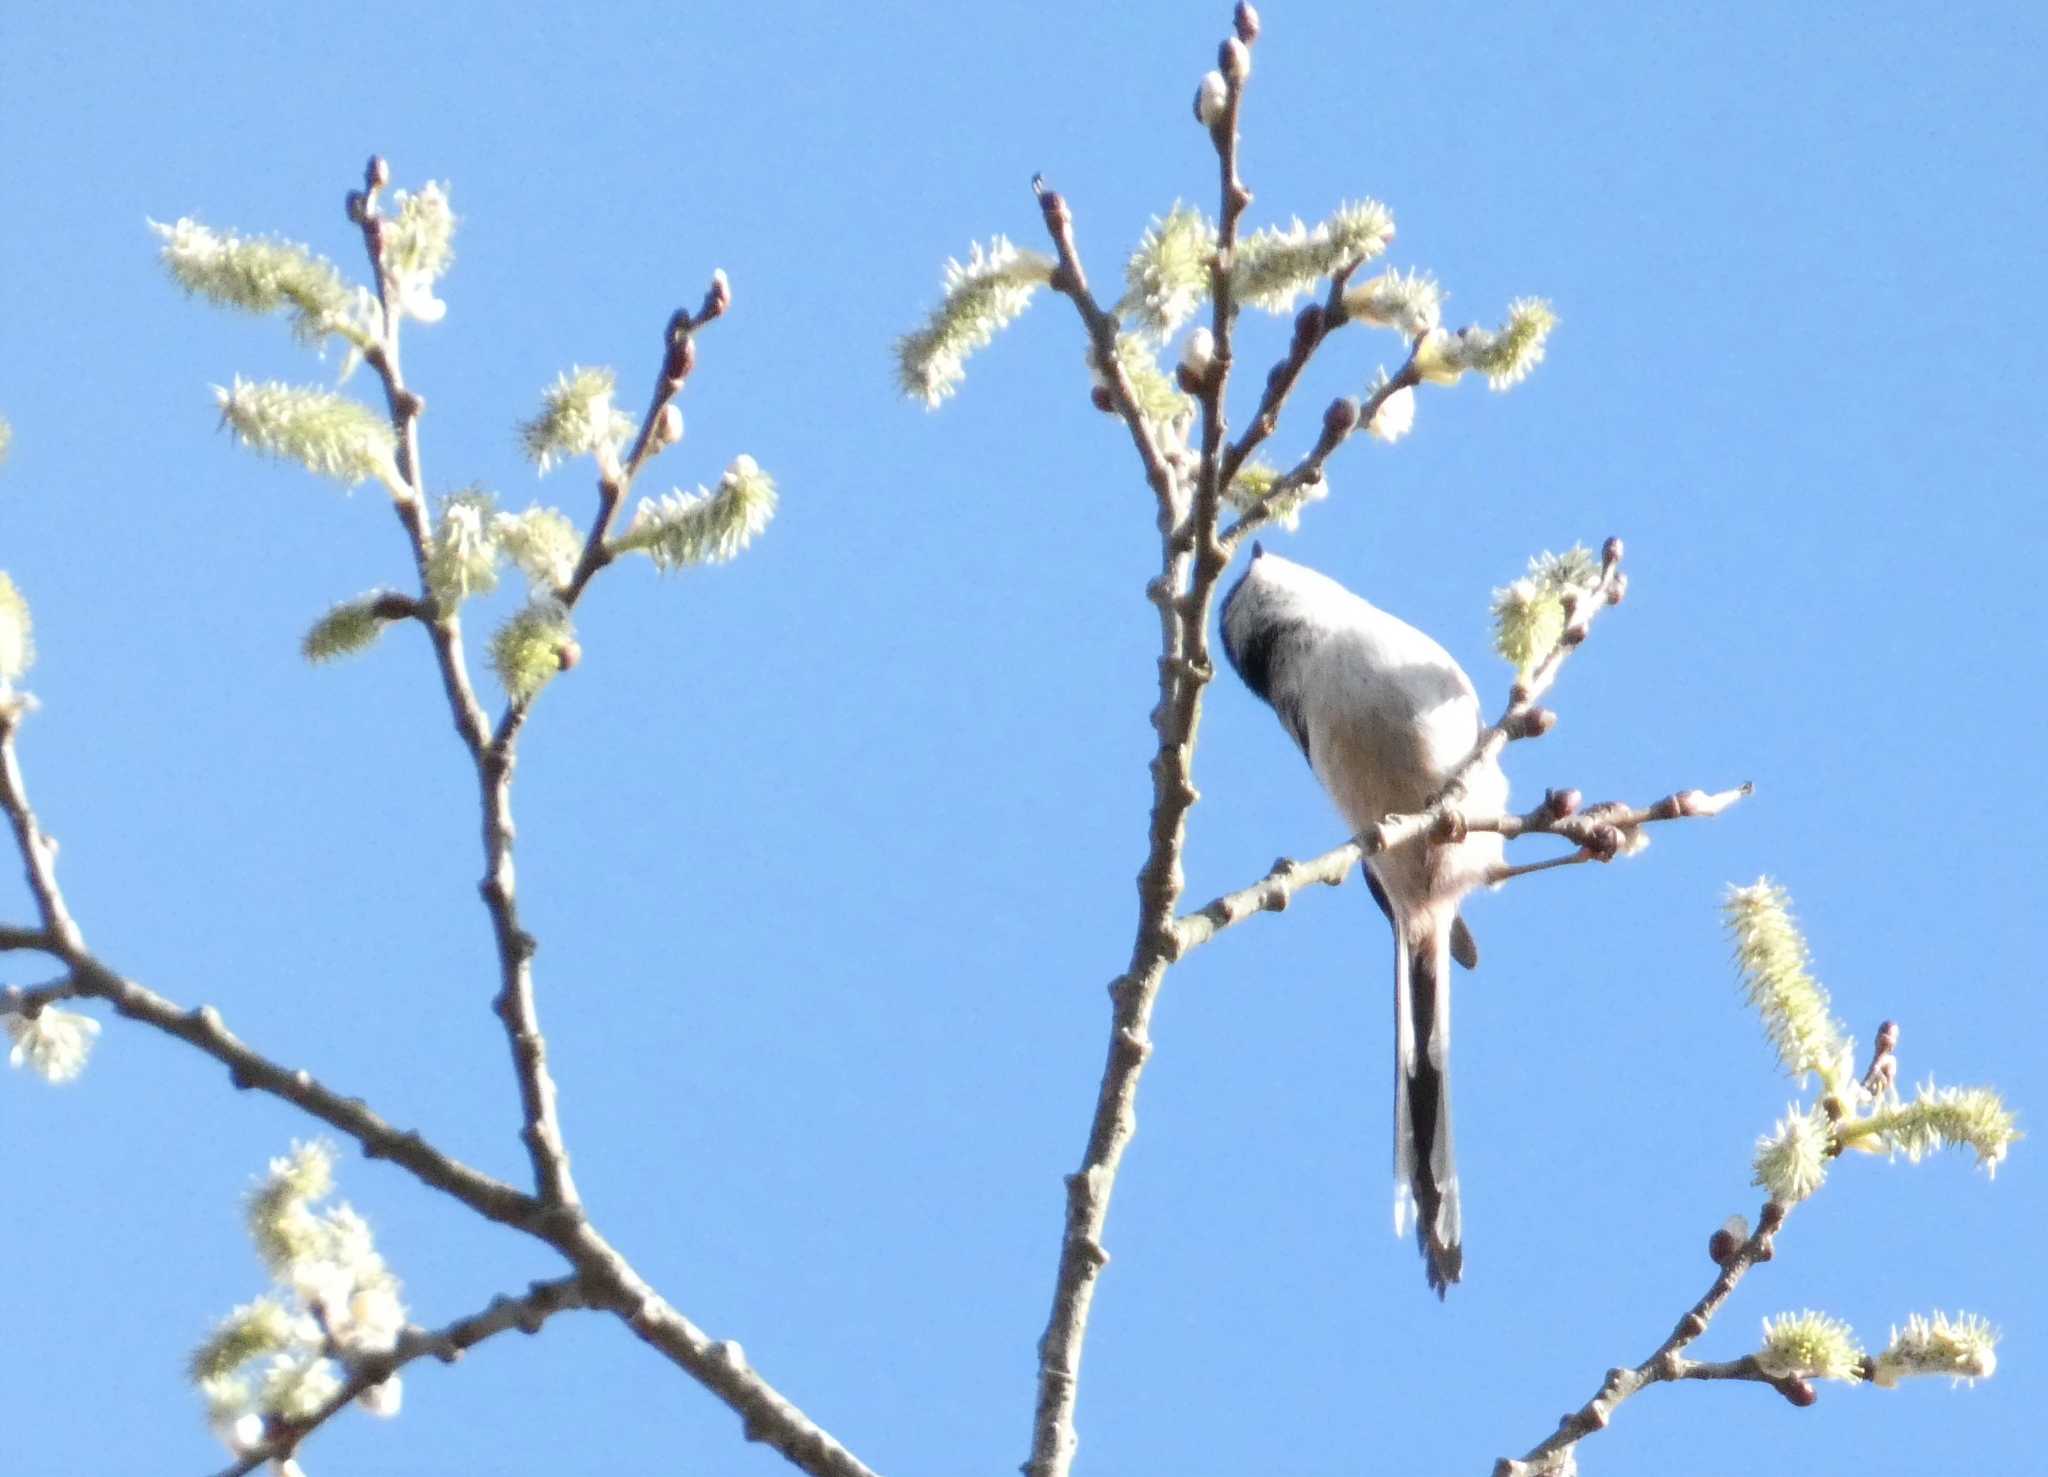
1385,716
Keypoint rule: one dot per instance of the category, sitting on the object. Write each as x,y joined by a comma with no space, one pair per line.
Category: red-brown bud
1341,418
1561,803
682,349
1102,400
1233,60
377,173
1053,204
717,297
1800,1392
1721,1246
1246,22
569,653
1610,552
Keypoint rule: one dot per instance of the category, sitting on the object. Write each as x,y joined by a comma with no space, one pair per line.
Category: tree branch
1070,280
679,357
59,935
1602,833
1340,421
202,1028
542,1301
604,1278
766,1415
1191,562
1311,327
541,1126
516,1005
24,941
1082,1255
608,1278
1554,1456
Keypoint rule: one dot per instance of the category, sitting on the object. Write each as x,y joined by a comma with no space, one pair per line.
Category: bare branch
251,1070
203,1028
1312,326
608,1277
542,1301
1191,562
1234,58
541,1128
604,1278
766,1415
1071,282
679,357
1340,421
1554,1456
25,941
59,935
1602,833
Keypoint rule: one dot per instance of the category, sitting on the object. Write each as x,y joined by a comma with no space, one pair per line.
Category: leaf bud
1341,418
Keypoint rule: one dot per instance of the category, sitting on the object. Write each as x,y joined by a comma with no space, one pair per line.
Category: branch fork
552,1211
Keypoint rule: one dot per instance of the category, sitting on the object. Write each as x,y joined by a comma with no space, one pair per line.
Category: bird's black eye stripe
1253,657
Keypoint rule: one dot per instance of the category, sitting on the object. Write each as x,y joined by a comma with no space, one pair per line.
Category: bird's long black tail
1425,1168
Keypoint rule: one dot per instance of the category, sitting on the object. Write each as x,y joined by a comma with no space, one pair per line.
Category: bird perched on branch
1385,717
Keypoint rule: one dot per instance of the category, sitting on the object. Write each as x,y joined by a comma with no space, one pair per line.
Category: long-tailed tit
1385,715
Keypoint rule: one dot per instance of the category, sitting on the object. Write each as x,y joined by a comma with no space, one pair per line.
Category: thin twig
608,1278
766,1415
1070,280
526,1314
1602,833
1312,326
679,357
516,1004
1340,421
59,935
1553,1456
25,940
541,1126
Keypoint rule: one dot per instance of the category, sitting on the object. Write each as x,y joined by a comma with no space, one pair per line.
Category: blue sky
830,850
